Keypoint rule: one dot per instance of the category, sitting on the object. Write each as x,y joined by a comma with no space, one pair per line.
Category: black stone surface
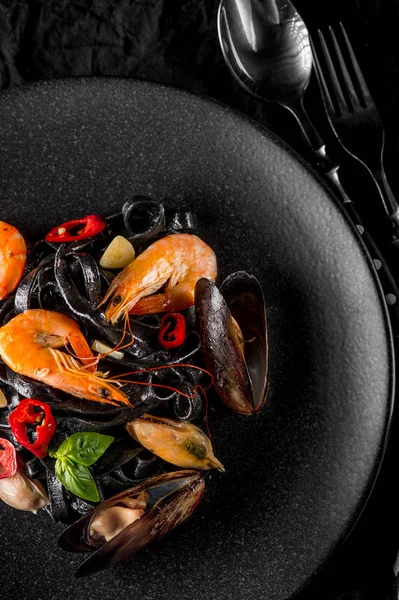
175,41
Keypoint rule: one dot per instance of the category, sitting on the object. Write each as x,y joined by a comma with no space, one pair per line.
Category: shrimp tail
83,352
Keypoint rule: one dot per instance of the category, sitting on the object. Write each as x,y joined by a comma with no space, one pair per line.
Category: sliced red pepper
25,414
8,459
91,225
172,331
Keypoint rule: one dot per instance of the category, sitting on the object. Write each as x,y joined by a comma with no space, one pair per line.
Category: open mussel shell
233,329
169,500
245,300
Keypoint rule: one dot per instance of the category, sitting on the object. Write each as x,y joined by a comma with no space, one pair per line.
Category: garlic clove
102,348
118,255
3,400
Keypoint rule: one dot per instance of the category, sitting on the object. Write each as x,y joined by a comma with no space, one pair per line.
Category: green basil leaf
84,447
77,479
64,449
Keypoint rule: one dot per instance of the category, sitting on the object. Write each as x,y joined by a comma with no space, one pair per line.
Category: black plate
299,473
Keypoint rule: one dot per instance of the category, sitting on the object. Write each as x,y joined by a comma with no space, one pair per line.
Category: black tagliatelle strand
66,277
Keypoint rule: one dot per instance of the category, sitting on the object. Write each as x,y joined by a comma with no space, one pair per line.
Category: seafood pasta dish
115,335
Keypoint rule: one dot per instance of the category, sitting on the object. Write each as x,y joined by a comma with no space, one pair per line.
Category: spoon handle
326,167
329,169
309,132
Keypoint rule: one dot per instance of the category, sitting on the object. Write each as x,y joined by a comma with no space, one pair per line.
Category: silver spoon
266,46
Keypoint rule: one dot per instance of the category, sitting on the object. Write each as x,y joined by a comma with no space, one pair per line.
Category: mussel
123,525
182,444
233,329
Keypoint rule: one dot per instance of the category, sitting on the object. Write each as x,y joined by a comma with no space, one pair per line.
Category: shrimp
12,258
178,261
29,345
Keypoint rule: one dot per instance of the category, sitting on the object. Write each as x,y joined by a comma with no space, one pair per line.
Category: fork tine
336,86
356,68
352,96
322,82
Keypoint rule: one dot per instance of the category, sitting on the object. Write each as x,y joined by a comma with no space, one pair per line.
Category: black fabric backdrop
175,42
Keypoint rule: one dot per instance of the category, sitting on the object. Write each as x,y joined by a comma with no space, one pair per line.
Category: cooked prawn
178,261
12,258
29,345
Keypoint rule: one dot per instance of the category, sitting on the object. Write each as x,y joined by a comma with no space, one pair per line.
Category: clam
233,329
123,525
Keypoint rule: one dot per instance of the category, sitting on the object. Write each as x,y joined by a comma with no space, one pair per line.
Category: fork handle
391,291
387,196
329,169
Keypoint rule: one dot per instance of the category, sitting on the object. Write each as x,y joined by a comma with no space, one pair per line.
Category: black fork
351,111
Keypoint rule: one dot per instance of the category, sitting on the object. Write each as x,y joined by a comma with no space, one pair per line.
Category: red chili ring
24,415
172,331
92,225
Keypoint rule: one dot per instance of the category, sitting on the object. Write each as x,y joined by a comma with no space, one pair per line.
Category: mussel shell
239,369
244,297
177,496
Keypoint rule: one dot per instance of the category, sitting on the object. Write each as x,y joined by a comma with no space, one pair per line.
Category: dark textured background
175,42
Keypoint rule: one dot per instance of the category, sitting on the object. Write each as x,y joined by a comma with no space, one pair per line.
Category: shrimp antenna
160,385
126,326
172,366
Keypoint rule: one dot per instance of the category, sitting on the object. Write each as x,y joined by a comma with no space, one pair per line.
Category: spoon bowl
266,46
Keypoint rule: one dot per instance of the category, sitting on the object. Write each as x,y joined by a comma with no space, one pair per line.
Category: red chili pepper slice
8,459
25,414
92,224
172,331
